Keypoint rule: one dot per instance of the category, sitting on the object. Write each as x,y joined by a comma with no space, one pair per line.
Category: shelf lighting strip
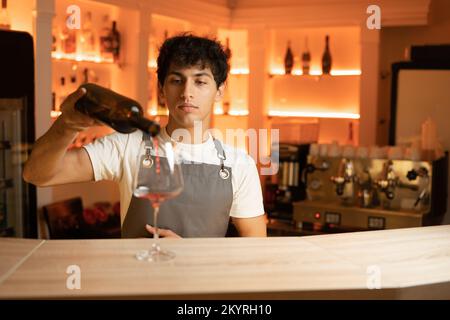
305,114
296,72
80,57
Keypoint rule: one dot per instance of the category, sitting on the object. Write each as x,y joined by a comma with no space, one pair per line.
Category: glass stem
155,225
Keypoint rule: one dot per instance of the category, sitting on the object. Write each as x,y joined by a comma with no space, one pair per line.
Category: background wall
393,43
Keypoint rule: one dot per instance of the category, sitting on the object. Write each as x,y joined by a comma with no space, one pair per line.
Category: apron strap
224,173
147,138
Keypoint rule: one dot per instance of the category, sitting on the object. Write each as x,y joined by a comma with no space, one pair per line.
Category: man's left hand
164,233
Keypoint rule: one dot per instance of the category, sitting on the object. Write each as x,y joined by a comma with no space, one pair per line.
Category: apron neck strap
146,137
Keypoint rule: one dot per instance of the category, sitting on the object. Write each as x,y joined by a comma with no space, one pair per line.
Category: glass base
155,255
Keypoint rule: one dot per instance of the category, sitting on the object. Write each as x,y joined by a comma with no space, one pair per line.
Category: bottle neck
4,4
145,124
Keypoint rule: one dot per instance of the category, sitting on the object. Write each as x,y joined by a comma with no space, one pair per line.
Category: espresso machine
352,189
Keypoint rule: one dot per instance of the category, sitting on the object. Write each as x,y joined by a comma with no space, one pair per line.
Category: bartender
222,181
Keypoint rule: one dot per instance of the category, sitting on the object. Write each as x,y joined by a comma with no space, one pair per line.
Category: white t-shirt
113,157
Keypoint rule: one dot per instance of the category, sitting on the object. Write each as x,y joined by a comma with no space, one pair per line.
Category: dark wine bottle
115,42
228,50
119,112
326,58
288,60
306,58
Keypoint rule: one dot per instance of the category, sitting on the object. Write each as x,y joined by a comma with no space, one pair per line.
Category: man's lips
186,107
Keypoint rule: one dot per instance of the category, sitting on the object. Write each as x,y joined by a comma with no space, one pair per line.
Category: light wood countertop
411,263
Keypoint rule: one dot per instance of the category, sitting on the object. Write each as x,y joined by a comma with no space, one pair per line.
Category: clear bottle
68,39
306,58
288,59
5,20
326,58
62,92
87,36
121,113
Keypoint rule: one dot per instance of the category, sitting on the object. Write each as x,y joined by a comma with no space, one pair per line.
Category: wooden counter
411,263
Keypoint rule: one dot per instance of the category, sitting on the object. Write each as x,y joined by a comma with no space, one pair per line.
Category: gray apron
201,210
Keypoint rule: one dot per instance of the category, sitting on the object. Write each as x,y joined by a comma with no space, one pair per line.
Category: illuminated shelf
234,72
307,114
74,57
239,71
219,112
315,73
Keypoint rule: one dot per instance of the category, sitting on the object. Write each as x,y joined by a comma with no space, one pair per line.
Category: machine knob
412,175
310,168
389,195
339,189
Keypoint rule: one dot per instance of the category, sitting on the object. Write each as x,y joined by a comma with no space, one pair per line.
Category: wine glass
158,178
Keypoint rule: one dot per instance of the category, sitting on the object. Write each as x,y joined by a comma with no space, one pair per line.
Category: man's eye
201,82
175,81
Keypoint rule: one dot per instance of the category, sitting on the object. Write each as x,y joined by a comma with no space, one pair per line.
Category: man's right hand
73,119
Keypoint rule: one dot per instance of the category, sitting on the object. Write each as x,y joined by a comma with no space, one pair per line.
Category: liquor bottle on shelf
306,58
226,95
105,40
226,100
62,92
5,21
89,75
85,75
117,111
56,44
288,59
68,39
53,101
87,36
350,134
73,73
115,42
228,50
326,58
161,105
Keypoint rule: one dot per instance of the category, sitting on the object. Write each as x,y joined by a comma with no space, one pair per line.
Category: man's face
190,94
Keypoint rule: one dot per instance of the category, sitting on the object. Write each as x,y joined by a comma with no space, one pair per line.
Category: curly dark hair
187,50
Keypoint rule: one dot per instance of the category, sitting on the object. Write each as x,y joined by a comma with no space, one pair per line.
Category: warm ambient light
80,57
334,115
55,114
237,71
297,72
238,112
152,64
219,111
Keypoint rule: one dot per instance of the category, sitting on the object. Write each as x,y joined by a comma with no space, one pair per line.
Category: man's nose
188,90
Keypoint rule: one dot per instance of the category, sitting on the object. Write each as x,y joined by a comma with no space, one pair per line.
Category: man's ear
220,91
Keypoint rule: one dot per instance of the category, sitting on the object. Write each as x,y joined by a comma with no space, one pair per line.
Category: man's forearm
48,152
